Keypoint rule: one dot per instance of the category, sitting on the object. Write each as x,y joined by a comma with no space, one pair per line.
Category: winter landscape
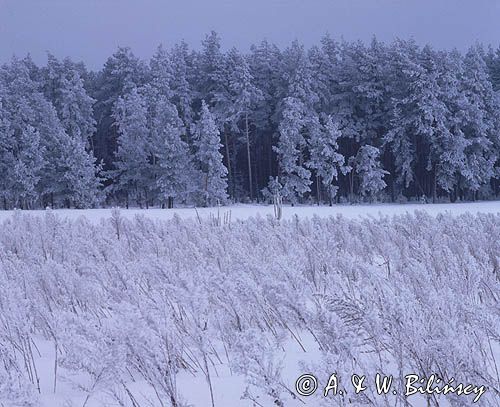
309,222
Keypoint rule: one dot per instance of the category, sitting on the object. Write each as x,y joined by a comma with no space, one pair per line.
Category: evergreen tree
446,156
366,165
48,165
161,72
170,158
77,179
406,113
266,67
122,72
244,96
298,119
324,157
294,176
213,184
182,82
133,172
64,88
325,62
22,151
481,123
294,117
493,64
212,75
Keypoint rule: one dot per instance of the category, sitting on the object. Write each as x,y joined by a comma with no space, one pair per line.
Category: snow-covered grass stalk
130,300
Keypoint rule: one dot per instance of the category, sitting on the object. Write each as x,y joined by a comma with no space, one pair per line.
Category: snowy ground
242,212
108,290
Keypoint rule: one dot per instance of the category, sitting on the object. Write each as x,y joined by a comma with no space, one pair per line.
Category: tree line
339,121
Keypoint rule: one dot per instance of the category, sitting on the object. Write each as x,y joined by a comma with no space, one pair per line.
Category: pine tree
446,154
48,166
493,64
266,67
161,72
324,157
77,179
244,96
294,176
6,143
406,114
289,116
182,82
22,151
325,62
64,88
297,121
212,75
133,172
481,123
210,160
122,72
212,87
170,159
366,165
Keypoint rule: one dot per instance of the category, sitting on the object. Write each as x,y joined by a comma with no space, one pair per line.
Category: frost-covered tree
481,122
294,176
170,152
324,157
48,165
412,115
244,96
297,121
133,171
22,152
493,64
445,157
182,82
161,72
75,175
213,183
122,72
265,66
211,75
366,166
6,140
433,115
325,61
170,155
422,128
64,88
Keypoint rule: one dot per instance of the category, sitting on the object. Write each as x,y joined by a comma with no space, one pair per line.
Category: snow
228,387
248,297
242,212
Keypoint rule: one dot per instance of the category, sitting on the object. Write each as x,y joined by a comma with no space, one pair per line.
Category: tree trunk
250,187
318,197
206,190
351,185
229,173
434,187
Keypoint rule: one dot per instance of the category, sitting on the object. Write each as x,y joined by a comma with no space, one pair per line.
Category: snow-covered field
245,211
111,309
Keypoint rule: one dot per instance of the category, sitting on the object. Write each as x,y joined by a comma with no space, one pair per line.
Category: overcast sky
90,30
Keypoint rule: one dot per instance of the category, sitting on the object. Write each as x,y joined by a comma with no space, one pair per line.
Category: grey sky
90,30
